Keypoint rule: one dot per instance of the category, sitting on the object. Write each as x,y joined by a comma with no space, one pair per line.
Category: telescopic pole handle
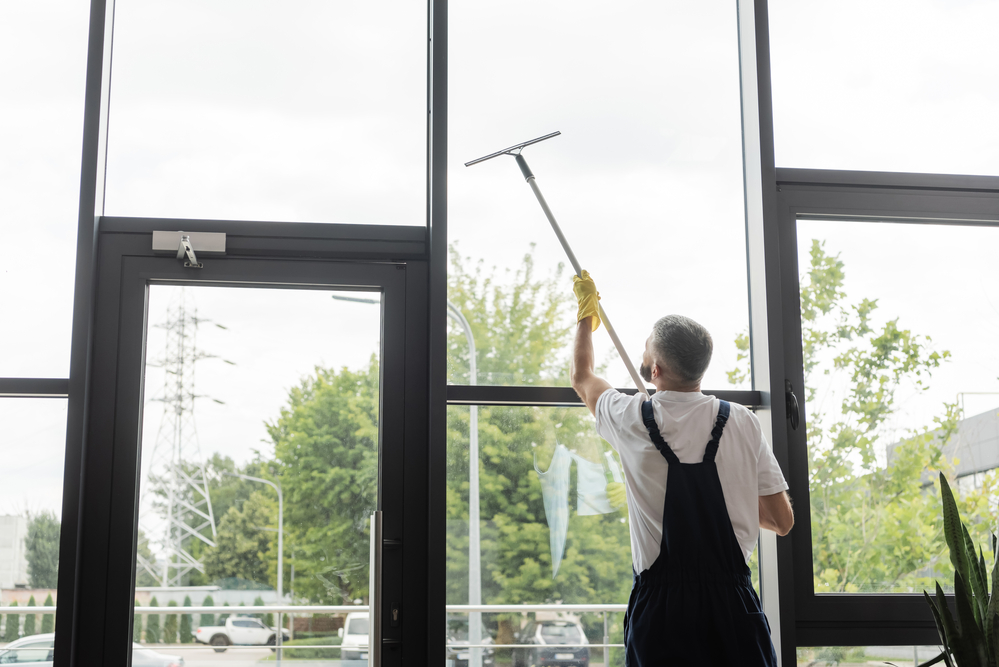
532,181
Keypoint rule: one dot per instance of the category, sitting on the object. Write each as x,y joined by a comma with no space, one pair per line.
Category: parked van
354,633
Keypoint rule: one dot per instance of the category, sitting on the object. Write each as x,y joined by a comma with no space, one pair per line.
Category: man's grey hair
683,346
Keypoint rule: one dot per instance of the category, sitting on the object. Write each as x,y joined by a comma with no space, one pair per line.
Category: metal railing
304,610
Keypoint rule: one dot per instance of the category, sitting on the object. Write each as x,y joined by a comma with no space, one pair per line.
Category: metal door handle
791,405
375,592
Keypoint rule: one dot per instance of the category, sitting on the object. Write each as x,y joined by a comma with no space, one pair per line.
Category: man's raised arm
584,381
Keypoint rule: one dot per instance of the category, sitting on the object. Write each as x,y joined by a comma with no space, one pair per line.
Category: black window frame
855,619
772,195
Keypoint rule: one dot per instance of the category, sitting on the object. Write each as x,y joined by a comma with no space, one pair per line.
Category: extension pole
533,182
516,151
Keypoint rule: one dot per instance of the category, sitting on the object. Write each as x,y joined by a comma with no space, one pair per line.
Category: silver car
37,650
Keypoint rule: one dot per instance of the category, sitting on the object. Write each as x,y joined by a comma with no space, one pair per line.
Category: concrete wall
13,559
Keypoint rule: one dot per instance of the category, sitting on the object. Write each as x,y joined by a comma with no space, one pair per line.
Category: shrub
170,626
136,625
185,624
13,623
207,619
153,625
29,620
48,620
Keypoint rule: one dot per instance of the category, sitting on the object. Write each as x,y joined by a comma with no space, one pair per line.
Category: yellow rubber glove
587,297
616,495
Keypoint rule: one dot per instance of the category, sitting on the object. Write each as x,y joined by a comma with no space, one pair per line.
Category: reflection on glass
42,74
307,111
252,393
515,527
32,449
646,179
886,86
901,383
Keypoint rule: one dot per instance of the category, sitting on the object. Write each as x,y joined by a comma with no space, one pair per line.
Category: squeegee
517,152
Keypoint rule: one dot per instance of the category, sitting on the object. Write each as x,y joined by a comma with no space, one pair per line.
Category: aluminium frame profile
856,196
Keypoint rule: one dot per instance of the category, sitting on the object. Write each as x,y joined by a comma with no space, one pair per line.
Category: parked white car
238,631
37,650
354,633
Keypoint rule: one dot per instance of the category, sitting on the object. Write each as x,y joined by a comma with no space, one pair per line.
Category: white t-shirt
746,464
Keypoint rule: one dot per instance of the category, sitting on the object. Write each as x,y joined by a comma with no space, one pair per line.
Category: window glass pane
43,55
886,86
289,111
246,390
901,373
857,656
646,180
544,496
32,448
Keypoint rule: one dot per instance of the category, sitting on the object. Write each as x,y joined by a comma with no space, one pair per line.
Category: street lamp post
279,635
474,539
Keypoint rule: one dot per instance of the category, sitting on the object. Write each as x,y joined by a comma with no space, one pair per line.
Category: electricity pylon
178,487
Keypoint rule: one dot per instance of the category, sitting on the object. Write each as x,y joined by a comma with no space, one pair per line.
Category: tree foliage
29,619
874,511
48,620
170,626
153,624
136,625
12,626
185,624
242,543
326,457
41,546
522,330
207,619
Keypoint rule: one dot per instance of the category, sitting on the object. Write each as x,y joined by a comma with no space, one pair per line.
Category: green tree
48,620
13,625
153,624
241,546
522,329
326,455
136,625
29,619
41,546
185,624
170,626
207,619
874,514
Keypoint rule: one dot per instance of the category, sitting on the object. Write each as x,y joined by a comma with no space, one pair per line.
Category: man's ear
656,372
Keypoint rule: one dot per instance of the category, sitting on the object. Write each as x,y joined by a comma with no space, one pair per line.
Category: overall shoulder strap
657,438
716,433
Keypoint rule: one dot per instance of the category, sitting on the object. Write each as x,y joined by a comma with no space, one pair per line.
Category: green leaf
942,630
972,642
943,657
954,530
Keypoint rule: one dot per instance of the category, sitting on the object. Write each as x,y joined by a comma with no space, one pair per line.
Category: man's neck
665,385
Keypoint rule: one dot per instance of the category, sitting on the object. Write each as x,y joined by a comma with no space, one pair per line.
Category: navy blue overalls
696,605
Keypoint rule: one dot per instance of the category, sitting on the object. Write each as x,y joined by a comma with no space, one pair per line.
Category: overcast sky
315,111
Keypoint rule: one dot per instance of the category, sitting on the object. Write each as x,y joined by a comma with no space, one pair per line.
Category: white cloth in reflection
591,487
555,492
591,496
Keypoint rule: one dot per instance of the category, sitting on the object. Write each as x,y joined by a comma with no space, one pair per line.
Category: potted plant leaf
972,638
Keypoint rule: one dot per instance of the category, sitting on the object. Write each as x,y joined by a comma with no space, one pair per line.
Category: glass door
258,472
256,459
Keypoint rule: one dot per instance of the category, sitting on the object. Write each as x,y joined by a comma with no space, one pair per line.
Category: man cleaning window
700,481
